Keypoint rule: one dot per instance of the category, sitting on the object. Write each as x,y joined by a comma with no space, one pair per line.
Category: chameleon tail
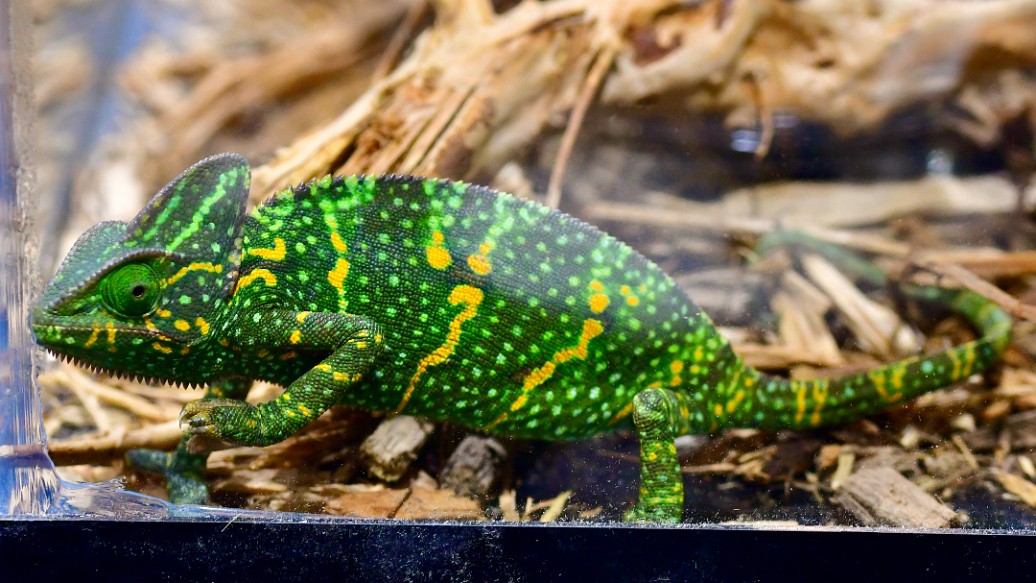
782,403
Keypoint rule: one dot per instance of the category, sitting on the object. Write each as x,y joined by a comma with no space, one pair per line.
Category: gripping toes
182,470
221,421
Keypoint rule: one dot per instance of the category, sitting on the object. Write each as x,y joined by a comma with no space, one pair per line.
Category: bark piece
882,496
473,469
438,504
388,452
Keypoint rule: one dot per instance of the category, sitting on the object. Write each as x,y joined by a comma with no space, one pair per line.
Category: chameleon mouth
122,375
38,329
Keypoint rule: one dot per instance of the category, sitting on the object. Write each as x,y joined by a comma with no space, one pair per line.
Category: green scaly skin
432,298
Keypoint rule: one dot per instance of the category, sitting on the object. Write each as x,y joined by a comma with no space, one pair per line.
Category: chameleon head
139,298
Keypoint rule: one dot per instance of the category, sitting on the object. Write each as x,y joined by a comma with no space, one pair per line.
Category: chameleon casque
431,298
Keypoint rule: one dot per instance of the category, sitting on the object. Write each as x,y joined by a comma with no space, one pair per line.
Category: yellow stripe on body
471,297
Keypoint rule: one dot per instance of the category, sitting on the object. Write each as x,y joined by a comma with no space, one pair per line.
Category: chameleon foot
656,515
215,422
182,471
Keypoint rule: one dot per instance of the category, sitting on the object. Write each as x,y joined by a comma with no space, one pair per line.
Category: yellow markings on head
301,317
699,353
286,397
718,410
209,267
596,286
296,336
437,255
290,413
163,313
150,325
93,337
323,367
161,348
471,297
264,274
821,388
276,254
479,263
185,350
182,325
306,411
632,300
202,325
336,276
338,243
591,329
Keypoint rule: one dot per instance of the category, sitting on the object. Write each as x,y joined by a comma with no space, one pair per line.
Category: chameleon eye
131,290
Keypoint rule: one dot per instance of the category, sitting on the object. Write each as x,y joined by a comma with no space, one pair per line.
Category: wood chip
1019,486
363,501
392,448
882,496
877,328
802,308
473,469
438,504
844,469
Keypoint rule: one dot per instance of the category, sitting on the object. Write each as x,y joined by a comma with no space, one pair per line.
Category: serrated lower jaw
122,375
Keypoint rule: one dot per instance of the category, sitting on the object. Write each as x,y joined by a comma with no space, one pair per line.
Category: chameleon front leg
353,343
184,470
659,416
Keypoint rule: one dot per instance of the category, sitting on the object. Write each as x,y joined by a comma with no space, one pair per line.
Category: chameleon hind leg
659,416
183,469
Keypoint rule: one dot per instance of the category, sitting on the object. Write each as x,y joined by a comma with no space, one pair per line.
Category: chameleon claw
218,423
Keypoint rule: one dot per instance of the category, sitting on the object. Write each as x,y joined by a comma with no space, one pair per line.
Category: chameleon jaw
122,375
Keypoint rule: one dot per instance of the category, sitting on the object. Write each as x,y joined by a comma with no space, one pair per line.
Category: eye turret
131,290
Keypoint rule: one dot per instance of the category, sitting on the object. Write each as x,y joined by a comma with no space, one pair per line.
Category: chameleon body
431,298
